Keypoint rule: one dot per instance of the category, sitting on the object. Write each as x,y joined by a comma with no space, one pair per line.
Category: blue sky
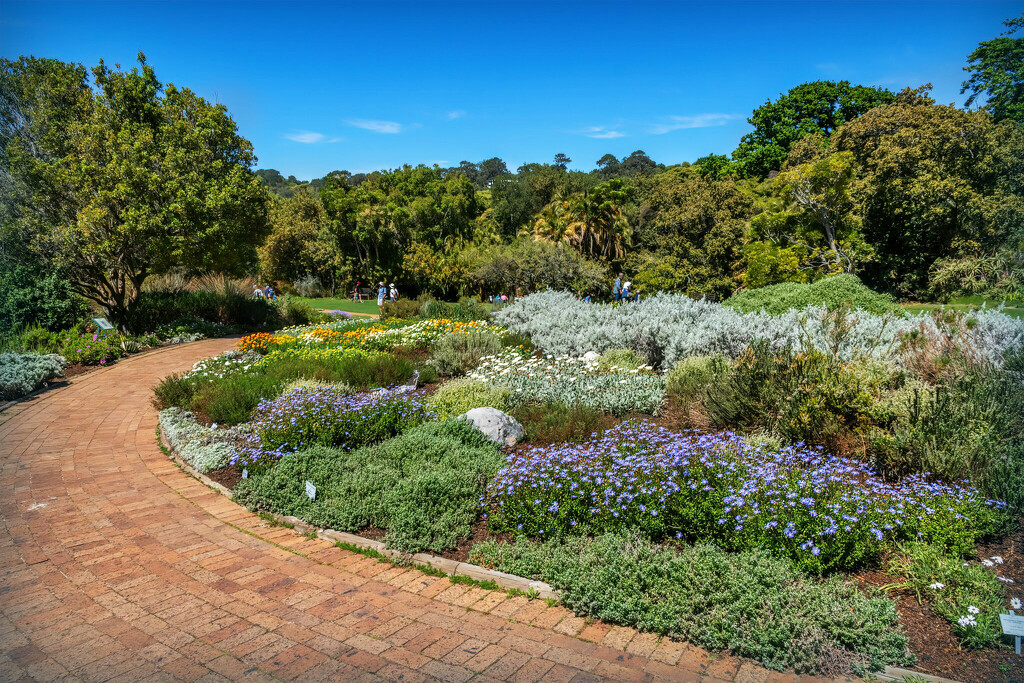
361,86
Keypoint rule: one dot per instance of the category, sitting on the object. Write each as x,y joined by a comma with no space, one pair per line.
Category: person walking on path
382,292
393,293
257,293
617,288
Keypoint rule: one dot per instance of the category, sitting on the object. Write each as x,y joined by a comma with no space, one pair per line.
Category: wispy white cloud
390,127
696,121
602,132
309,137
456,114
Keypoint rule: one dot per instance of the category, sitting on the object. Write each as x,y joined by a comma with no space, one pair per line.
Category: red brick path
115,565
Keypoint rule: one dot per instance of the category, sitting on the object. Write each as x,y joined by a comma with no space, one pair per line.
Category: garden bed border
450,567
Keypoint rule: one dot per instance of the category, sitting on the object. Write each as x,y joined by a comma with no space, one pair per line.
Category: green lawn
970,303
336,304
331,303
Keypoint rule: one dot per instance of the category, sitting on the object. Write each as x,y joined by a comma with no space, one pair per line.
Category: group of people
623,291
264,292
384,292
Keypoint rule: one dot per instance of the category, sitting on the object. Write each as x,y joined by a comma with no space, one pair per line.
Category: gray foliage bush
202,447
23,373
668,327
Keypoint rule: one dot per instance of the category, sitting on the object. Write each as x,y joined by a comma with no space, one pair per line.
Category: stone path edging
539,589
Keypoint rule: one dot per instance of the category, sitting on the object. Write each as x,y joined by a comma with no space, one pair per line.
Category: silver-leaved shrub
204,448
668,327
23,373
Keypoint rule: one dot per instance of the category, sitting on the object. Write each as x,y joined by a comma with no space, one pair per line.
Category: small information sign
245,473
103,324
1013,625
310,490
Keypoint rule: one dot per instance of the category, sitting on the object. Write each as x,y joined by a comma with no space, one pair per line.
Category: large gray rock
500,428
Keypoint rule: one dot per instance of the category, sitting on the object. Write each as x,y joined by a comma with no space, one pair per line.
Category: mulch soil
931,637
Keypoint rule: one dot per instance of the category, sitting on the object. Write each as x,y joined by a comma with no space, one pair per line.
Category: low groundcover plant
323,415
821,511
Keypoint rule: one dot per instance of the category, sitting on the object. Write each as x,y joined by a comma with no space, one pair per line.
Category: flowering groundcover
322,415
821,511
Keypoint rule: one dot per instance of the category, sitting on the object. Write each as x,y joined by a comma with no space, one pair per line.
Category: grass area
332,303
970,303
337,304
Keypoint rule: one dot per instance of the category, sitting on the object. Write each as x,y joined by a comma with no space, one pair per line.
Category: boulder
591,356
500,428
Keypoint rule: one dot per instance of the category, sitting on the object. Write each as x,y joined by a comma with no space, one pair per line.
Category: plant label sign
103,324
1012,625
310,490
245,473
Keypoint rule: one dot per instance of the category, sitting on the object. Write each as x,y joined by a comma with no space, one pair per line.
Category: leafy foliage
138,179
749,603
832,292
457,354
997,73
422,486
463,394
817,107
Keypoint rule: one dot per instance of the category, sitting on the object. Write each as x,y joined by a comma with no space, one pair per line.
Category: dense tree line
110,176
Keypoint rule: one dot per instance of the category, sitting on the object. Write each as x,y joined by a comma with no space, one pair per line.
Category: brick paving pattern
117,566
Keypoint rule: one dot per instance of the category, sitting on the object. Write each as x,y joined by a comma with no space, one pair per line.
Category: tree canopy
997,73
125,177
819,107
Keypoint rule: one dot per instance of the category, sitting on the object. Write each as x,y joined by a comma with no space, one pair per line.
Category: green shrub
620,358
295,312
832,292
969,426
32,295
811,396
422,487
951,586
175,391
156,308
749,603
692,377
465,310
516,339
553,422
232,399
33,339
459,395
403,309
363,371
456,354
88,348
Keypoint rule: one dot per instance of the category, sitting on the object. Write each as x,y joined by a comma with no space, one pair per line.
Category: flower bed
322,415
821,511
573,381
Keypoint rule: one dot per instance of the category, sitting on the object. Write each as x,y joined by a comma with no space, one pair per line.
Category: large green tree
124,177
688,233
817,107
997,73
932,178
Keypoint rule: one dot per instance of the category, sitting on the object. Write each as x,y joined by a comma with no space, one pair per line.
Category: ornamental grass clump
322,415
821,511
573,382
